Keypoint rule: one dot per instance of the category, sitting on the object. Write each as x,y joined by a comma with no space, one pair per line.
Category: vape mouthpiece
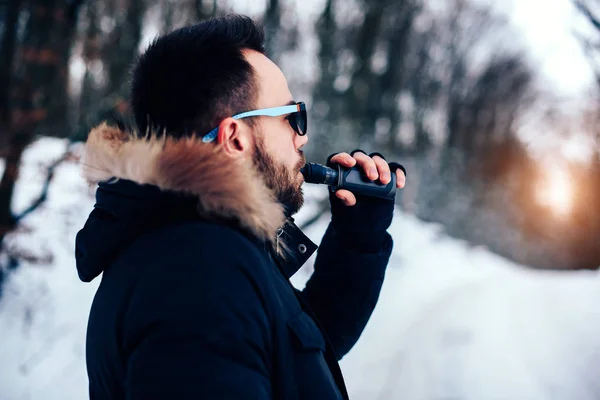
320,174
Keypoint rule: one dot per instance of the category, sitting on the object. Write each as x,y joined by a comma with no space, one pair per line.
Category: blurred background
497,151
493,107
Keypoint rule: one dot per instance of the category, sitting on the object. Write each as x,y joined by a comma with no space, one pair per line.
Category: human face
277,146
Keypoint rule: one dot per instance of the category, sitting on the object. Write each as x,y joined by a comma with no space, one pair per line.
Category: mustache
302,161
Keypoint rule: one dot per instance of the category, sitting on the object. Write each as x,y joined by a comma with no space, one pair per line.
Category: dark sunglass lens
302,121
293,120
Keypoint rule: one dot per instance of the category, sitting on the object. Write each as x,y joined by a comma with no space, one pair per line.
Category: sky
548,27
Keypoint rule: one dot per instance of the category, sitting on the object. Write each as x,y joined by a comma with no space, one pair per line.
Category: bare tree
7,52
369,56
41,59
469,26
491,109
205,9
424,83
327,104
363,96
112,50
122,46
90,96
272,27
590,9
394,80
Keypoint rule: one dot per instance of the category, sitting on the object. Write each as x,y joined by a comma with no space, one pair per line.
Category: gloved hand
363,220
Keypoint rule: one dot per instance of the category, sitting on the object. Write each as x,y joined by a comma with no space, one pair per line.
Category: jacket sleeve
349,270
199,337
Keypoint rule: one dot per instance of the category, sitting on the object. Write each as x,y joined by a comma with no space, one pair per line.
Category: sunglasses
297,118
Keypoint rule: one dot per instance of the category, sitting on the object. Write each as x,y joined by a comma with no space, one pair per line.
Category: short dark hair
190,79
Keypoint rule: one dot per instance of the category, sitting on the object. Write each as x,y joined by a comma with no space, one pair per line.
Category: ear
234,137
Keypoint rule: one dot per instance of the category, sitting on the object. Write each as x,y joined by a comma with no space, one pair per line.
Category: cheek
280,143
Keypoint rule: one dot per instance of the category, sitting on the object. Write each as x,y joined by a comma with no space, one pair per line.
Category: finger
347,197
383,169
367,164
344,159
400,179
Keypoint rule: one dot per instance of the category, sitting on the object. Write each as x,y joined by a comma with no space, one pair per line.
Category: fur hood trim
225,188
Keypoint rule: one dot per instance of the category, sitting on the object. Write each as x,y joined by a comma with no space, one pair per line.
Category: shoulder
199,244
193,261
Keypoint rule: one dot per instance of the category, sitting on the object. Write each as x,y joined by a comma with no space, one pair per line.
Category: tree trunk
123,48
89,97
202,11
364,83
272,26
422,139
392,81
425,85
323,92
7,53
59,109
326,29
41,59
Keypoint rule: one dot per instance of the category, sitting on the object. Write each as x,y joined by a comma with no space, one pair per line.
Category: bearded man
193,233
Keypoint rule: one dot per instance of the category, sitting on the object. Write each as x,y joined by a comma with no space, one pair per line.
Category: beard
279,178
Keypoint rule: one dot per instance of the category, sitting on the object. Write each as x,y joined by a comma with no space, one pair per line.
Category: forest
445,87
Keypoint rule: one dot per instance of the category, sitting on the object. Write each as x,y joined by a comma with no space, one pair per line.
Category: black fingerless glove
363,225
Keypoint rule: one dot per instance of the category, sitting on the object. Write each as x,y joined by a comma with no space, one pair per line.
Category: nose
300,141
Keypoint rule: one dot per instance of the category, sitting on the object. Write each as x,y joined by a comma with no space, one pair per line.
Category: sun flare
556,192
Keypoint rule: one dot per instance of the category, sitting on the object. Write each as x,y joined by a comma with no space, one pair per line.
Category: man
193,233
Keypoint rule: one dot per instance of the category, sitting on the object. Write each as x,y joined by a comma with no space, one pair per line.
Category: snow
453,321
43,311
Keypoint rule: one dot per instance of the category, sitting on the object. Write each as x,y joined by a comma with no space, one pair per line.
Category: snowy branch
585,10
44,194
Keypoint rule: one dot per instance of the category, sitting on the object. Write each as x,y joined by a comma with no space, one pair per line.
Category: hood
144,182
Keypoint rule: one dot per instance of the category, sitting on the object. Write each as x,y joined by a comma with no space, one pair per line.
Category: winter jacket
195,300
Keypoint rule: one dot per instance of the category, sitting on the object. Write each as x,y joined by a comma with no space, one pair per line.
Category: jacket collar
298,248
